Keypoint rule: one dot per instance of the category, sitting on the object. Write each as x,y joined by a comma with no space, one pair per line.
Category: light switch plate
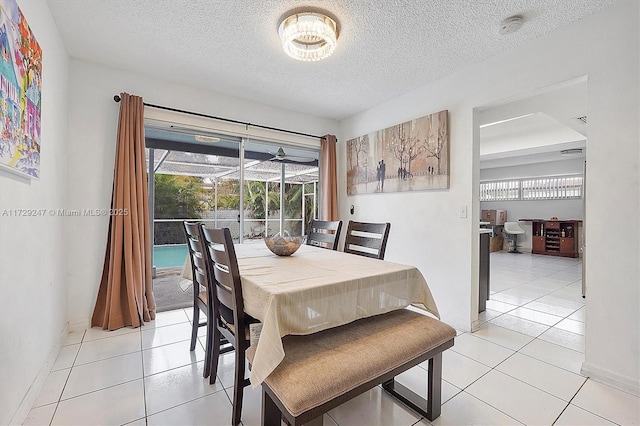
463,212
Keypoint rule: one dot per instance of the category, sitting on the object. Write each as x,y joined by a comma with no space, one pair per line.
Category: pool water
170,256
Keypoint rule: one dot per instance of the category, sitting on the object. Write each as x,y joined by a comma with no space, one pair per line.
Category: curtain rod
117,99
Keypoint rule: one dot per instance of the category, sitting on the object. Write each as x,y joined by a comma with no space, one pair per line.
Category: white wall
535,209
32,250
93,119
426,229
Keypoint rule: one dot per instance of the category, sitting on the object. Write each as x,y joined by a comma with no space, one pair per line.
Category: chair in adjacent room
367,239
324,233
513,229
230,320
201,293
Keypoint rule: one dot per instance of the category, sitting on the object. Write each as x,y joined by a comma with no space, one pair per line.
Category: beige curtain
329,178
125,296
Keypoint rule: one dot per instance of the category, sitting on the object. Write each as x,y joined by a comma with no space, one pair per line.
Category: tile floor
521,367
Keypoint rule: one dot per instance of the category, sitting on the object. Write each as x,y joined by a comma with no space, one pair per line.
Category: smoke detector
511,24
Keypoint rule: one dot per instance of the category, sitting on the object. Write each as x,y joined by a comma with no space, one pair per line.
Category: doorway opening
531,168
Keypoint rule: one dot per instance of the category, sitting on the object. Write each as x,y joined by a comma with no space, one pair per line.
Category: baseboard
34,390
610,378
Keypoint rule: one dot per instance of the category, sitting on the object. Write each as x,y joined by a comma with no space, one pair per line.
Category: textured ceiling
385,48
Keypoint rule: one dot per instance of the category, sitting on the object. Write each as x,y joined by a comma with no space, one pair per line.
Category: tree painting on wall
20,90
411,156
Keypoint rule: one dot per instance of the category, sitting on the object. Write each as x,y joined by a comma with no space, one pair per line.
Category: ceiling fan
282,156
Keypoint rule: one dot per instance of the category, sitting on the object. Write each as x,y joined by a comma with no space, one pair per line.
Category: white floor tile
96,333
553,354
574,416
102,374
40,416
197,412
502,336
461,371
536,316
66,357
571,325
550,308
549,284
481,350
373,408
139,422
167,318
564,338
415,379
511,299
252,405
553,299
610,403
520,325
100,349
487,315
115,405
519,400
155,337
464,409
175,355
175,387
226,369
52,388
546,377
189,313
497,306
73,338
579,315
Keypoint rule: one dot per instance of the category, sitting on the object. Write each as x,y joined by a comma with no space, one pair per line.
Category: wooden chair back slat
367,239
324,233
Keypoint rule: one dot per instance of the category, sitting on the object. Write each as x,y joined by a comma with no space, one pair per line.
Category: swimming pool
169,256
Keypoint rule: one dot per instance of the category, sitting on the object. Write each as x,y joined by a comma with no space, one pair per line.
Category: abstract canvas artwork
411,156
20,89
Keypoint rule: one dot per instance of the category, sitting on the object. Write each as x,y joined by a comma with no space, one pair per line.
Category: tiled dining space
521,367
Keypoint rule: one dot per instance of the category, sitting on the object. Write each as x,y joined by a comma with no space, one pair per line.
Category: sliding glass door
254,188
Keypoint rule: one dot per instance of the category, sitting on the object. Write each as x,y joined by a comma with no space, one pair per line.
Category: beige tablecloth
316,289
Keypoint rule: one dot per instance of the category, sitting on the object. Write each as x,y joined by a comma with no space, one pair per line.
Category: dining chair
324,233
367,239
201,295
230,319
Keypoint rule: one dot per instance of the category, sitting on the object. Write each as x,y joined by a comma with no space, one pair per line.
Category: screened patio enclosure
236,184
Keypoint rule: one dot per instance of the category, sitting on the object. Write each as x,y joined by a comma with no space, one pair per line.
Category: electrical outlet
463,212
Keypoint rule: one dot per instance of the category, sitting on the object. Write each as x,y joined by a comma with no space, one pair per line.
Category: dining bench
323,370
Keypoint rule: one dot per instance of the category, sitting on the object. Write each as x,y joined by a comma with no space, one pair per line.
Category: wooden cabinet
538,243
555,237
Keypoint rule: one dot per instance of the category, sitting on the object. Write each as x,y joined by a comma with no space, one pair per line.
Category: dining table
315,289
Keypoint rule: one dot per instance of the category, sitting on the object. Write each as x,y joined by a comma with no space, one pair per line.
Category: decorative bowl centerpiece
283,245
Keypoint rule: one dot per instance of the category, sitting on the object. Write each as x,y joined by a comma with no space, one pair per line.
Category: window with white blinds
539,188
500,190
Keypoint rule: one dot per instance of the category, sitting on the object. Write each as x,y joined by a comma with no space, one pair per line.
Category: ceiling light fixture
308,36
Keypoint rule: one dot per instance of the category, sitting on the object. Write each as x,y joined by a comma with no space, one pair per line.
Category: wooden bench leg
271,415
434,387
430,407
